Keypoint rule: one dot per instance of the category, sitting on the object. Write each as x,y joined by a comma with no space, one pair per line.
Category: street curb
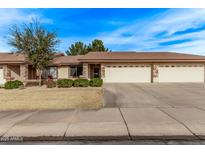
101,138
173,137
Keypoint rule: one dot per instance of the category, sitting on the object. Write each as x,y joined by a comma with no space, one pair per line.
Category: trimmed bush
13,84
64,83
96,82
81,83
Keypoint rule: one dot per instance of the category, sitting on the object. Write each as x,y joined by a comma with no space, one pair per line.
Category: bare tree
36,43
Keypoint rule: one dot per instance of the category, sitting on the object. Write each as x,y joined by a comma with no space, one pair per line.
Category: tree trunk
40,79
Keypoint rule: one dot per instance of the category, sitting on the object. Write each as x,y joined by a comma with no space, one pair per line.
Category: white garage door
181,74
127,74
2,80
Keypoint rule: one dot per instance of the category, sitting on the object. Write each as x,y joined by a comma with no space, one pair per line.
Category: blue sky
178,30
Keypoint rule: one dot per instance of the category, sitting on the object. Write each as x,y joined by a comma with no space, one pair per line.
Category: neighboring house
112,67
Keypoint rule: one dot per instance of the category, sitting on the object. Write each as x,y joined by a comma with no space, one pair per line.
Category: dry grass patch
43,98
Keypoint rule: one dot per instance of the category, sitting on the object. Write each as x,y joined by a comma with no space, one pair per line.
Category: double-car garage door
181,74
2,80
120,74
142,73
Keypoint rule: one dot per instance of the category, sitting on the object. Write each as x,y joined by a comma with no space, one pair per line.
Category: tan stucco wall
63,72
24,72
86,71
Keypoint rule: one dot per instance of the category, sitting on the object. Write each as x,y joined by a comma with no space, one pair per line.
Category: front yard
54,98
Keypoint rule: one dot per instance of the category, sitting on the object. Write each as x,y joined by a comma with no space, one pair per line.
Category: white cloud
9,17
143,33
178,20
15,16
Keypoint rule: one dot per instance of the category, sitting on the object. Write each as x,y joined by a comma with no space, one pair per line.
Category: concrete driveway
131,95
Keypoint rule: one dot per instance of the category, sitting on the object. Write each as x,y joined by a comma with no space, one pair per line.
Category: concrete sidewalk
104,124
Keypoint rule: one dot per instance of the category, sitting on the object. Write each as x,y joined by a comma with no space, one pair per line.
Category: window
53,72
50,72
76,71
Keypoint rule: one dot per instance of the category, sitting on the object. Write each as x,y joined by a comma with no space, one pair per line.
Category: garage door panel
127,74
181,74
2,80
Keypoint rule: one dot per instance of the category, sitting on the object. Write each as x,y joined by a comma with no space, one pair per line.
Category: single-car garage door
127,74
183,73
2,80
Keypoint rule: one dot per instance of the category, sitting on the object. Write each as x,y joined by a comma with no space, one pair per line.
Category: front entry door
95,71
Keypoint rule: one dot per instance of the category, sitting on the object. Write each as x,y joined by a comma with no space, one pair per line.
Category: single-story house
112,67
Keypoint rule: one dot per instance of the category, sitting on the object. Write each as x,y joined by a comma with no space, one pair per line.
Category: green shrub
64,83
81,83
96,82
13,84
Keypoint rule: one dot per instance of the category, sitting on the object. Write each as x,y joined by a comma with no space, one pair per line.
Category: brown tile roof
111,57
140,57
67,60
6,58
11,58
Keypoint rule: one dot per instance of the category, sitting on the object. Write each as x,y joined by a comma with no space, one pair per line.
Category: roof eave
141,60
12,62
64,64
